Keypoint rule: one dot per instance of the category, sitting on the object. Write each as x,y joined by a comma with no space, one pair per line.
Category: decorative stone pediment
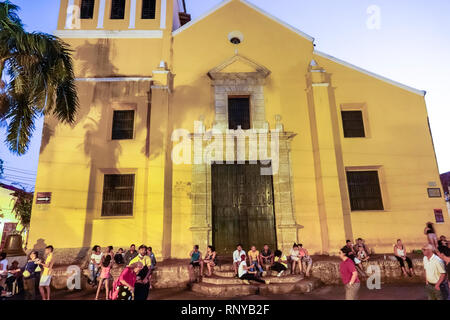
238,67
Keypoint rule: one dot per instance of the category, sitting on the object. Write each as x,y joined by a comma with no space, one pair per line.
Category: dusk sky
411,46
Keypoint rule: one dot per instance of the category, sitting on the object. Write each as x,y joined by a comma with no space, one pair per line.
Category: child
105,275
153,265
280,263
118,258
296,258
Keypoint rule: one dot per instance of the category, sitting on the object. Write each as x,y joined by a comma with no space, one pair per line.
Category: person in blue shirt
196,257
30,276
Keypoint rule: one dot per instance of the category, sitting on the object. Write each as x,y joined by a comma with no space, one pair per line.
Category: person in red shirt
349,275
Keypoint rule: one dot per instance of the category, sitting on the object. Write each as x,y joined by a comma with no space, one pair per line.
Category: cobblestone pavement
387,292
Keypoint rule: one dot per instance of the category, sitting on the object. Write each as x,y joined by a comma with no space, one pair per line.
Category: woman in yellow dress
46,276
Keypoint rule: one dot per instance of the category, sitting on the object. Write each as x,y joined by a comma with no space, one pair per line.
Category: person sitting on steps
246,274
266,257
400,255
210,261
306,258
196,258
253,257
237,258
280,263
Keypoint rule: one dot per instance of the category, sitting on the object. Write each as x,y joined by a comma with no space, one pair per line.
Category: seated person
118,257
351,250
14,274
280,263
295,258
266,257
362,255
400,255
237,258
195,261
210,260
306,259
361,242
246,274
253,257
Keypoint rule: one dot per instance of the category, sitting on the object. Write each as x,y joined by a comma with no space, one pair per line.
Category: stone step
302,286
227,271
240,289
224,291
218,280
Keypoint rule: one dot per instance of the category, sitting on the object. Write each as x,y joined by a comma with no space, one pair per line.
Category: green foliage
22,207
40,75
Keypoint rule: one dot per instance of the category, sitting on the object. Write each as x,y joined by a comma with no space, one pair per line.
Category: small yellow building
227,129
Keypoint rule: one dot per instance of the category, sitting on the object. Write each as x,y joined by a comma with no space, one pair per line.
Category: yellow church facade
349,152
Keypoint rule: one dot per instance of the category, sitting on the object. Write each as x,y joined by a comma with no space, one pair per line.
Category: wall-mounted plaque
43,197
438,215
434,193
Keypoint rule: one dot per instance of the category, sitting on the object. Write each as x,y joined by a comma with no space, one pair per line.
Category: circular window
235,37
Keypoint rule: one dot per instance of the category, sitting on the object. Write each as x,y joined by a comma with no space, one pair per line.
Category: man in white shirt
237,258
3,265
435,275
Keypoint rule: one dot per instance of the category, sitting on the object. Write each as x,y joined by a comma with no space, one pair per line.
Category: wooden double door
242,207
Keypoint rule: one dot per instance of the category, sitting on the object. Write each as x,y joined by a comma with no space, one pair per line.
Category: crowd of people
139,265
254,264
436,262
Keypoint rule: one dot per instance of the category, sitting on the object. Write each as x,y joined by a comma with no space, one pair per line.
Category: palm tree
39,79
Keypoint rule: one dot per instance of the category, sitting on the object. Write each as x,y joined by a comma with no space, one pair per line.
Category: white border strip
109,34
116,79
163,14
349,65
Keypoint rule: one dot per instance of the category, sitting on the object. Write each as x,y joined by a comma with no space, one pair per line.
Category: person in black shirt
118,258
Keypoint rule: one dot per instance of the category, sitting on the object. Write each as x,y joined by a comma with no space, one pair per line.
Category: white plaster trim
320,85
101,14
190,23
163,14
109,34
377,76
69,14
132,14
222,4
116,79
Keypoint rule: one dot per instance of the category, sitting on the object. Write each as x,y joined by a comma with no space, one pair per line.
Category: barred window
148,9
364,190
118,193
87,9
123,125
353,124
239,113
118,9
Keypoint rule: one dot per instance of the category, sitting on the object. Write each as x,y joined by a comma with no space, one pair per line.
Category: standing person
253,258
46,277
266,257
142,286
118,257
105,274
237,258
123,287
153,265
248,273
435,275
306,258
280,263
349,275
94,264
130,254
196,258
431,235
30,276
210,260
400,255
